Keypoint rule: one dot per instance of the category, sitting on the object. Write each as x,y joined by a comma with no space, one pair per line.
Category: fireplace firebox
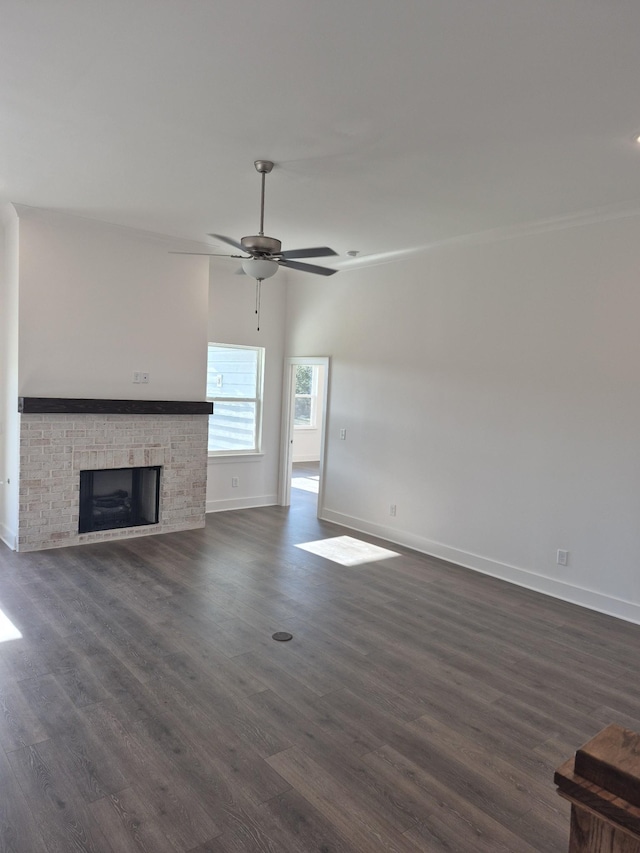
119,497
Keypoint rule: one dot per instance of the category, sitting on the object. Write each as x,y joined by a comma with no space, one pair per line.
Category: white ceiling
393,125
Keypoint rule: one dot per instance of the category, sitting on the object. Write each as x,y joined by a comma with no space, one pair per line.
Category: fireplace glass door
119,497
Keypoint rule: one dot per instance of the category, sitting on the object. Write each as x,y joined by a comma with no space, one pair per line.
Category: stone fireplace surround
61,437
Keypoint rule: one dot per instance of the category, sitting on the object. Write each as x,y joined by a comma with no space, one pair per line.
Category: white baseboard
520,577
241,503
313,458
9,537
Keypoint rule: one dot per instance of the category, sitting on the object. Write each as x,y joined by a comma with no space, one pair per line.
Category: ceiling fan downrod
264,167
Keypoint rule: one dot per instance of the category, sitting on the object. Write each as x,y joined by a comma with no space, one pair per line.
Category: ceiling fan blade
317,252
294,265
229,241
209,254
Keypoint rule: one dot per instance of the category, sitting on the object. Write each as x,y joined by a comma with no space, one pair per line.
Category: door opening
306,384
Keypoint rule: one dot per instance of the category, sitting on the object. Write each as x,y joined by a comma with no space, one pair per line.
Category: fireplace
118,497
62,439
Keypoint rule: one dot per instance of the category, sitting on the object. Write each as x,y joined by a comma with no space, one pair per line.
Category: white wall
84,304
9,418
232,320
307,442
98,302
491,392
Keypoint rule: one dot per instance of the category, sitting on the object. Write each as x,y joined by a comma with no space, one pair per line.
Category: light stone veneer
55,448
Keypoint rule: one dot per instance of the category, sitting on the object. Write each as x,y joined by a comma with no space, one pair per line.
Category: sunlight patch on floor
347,551
8,630
307,484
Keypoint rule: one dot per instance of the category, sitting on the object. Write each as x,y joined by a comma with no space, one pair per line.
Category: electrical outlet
392,509
144,377
343,435
234,482
562,558
136,376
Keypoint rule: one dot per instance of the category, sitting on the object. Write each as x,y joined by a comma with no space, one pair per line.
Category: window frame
313,397
256,450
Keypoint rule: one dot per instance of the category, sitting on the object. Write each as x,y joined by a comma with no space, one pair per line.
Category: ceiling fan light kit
259,268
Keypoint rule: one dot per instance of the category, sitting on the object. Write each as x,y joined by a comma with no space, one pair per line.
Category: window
306,397
234,386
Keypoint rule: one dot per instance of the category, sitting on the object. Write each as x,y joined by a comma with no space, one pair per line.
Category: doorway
306,384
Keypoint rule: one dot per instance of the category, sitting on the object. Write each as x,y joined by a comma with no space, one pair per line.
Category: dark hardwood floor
305,477
419,706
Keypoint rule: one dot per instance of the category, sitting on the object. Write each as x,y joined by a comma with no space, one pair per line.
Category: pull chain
258,296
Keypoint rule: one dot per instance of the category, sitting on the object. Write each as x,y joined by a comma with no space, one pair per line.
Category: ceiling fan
263,255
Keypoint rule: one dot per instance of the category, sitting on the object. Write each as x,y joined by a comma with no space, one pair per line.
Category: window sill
236,457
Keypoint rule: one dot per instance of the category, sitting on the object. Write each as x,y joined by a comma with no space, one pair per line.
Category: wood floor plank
48,781
484,771
300,820
258,834
490,766
225,713
34,654
234,636
19,725
95,771
229,676
495,728
191,762
300,722
605,716
452,822
19,827
155,783
129,824
372,793
454,832
357,713
236,755
211,763
544,828
332,797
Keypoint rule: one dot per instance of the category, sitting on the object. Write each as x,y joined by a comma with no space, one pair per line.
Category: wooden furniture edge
607,806
611,760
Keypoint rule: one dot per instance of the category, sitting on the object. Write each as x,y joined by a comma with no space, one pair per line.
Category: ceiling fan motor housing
259,244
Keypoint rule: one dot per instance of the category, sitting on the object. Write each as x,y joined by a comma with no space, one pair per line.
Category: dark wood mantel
83,406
